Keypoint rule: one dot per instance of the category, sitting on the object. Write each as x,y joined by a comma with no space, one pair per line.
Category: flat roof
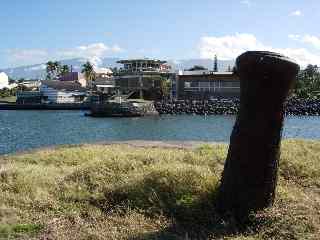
189,73
141,60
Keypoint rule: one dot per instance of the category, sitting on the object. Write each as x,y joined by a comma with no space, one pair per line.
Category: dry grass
123,192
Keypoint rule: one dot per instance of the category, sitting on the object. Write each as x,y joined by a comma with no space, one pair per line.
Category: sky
36,31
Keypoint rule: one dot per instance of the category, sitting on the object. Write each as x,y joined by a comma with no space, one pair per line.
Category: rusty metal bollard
250,173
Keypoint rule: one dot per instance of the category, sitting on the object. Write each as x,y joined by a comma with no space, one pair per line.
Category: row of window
212,84
219,90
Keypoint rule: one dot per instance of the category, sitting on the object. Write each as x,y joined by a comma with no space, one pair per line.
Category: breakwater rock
294,106
212,107
303,107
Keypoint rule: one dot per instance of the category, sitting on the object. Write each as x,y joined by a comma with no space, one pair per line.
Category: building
30,83
4,81
144,65
105,85
62,91
103,72
142,76
29,97
104,81
207,85
74,77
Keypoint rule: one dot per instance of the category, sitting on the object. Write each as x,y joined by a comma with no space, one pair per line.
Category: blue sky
35,31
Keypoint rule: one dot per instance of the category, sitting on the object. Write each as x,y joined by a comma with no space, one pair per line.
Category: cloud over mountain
93,52
230,46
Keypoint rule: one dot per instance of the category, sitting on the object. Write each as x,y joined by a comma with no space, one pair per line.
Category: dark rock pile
303,107
211,107
294,106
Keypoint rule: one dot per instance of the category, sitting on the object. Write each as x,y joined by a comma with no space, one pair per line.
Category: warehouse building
205,85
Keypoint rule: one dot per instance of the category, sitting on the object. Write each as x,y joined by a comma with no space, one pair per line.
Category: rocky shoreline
294,107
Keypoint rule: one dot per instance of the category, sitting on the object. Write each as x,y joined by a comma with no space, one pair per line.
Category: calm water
23,130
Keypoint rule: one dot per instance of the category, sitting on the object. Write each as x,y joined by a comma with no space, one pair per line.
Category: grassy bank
123,192
11,99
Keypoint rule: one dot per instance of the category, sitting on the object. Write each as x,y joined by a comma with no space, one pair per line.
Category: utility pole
215,63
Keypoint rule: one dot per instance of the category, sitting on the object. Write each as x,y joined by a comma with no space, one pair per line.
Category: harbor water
26,130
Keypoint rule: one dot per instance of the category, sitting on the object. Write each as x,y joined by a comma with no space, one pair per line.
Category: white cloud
116,49
296,13
294,36
313,40
309,39
26,56
246,2
92,52
229,47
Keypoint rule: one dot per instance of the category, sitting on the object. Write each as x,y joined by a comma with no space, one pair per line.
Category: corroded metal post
250,173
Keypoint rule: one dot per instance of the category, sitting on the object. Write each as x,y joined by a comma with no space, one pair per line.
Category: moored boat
123,108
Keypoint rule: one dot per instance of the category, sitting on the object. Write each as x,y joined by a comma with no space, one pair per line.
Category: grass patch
123,192
15,231
11,99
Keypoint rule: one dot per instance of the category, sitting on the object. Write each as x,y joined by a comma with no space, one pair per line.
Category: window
230,84
195,84
204,84
187,84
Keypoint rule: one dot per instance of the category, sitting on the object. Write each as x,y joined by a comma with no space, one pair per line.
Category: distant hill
38,71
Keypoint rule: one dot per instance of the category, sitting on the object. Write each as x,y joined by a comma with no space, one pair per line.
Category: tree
215,63
11,81
53,69
89,73
165,87
57,67
197,68
308,82
64,69
49,70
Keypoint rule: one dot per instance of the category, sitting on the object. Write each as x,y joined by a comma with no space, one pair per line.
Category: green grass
11,99
123,192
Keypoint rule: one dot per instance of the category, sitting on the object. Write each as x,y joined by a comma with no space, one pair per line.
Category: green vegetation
165,87
124,192
308,82
215,63
11,99
5,93
197,68
88,71
55,70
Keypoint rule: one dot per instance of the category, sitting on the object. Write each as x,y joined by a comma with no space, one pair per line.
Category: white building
31,83
62,91
4,81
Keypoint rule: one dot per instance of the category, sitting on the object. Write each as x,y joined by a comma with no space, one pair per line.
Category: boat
121,106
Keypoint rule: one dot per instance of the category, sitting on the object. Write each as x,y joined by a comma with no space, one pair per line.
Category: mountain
38,71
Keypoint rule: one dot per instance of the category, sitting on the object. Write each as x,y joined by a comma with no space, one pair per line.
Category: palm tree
89,73
64,69
53,69
50,69
165,87
57,67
